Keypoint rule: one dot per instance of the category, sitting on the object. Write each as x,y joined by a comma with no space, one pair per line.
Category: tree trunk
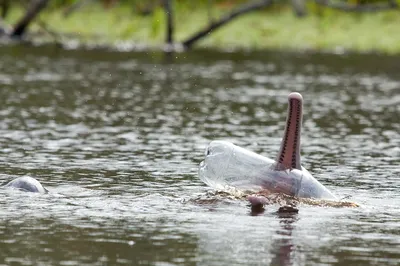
170,23
5,6
225,19
299,7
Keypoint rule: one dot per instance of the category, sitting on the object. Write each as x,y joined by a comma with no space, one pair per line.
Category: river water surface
117,139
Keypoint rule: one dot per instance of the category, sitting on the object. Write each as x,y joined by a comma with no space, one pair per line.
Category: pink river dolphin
227,165
26,183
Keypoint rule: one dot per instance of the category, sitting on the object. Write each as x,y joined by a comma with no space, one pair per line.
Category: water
117,138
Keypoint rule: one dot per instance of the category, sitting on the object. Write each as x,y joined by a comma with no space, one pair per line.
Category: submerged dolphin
228,164
26,183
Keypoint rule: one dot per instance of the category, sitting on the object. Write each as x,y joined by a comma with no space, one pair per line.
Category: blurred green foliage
276,27
146,6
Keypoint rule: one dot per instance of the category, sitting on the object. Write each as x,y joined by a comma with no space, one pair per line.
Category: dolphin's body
26,183
231,165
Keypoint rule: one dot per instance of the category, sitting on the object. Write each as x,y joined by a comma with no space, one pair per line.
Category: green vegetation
273,28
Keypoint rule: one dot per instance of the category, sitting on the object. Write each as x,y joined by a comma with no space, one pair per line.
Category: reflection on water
285,251
117,139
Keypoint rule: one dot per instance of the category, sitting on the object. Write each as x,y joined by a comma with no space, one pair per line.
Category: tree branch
225,19
358,8
75,6
33,10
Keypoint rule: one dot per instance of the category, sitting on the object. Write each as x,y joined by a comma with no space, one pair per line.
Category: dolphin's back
299,183
227,165
26,183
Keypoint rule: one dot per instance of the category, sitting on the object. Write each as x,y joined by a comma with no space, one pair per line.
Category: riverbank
274,28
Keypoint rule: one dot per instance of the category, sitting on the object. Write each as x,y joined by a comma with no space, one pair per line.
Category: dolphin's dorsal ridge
289,153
